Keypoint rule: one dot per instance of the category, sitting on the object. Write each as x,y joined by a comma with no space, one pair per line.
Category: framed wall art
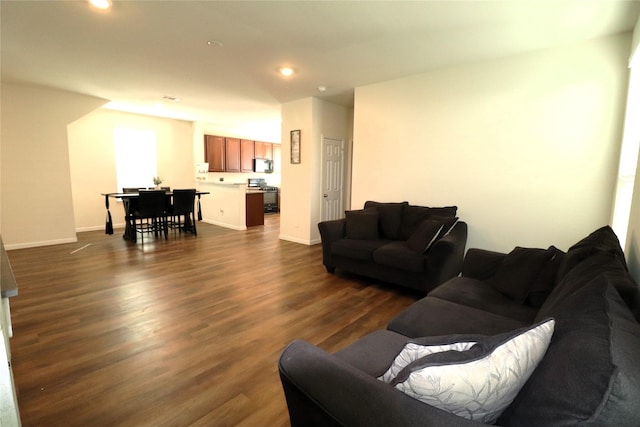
295,146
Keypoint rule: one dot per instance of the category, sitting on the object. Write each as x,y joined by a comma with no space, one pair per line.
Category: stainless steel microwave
263,165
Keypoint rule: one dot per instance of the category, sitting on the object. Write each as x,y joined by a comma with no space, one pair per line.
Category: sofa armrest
481,264
323,390
447,254
330,231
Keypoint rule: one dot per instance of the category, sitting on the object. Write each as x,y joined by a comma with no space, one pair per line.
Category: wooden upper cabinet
236,155
247,151
214,148
232,155
264,150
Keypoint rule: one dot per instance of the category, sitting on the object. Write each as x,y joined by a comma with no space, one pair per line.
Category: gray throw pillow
390,217
422,239
362,224
519,270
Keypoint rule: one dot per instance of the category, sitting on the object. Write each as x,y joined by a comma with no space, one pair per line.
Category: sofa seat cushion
432,316
357,249
477,294
398,255
374,352
590,375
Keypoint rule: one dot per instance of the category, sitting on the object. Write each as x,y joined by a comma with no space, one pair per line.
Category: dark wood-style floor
184,332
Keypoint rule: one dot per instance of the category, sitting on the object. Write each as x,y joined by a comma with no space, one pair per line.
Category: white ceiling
140,51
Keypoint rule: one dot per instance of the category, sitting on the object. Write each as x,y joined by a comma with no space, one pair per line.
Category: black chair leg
165,222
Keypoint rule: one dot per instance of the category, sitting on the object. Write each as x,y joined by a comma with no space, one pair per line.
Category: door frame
323,172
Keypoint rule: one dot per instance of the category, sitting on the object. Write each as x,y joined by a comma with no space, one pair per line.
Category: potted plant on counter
157,181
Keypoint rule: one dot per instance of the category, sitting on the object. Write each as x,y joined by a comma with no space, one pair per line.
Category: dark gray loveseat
413,246
589,376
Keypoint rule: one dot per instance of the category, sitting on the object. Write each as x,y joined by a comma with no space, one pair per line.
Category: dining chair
151,213
182,210
131,189
130,205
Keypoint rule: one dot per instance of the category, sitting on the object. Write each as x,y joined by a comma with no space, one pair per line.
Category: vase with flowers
157,181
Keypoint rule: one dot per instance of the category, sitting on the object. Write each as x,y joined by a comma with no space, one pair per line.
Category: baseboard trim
298,240
41,243
92,228
225,225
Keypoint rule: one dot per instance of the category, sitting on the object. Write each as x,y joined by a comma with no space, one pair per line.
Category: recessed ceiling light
100,4
214,43
322,88
286,71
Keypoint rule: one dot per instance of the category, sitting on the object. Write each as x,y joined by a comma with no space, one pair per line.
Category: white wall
301,193
527,146
37,205
91,156
295,209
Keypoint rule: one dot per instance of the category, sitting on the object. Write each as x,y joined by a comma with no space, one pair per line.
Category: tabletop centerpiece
157,181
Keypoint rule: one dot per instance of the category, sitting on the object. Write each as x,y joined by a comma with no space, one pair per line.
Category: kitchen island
227,206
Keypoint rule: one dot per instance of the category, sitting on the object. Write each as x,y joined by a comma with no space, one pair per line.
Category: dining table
128,202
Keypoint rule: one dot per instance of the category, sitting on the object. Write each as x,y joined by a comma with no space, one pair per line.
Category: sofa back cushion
390,217
590,375
601,240
599,252
603,263
582,274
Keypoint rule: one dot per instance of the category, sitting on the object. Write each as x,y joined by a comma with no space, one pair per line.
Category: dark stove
271,198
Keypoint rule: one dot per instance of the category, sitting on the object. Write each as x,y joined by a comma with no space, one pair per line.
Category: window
628,160
135,154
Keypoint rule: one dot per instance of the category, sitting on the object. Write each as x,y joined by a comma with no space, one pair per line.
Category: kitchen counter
234,204
224,183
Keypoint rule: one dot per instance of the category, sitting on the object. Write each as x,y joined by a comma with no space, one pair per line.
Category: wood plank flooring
184,332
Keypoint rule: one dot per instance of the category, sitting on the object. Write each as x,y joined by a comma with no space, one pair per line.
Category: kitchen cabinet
263,150
232,155
255,209
247,151
225,154
214,148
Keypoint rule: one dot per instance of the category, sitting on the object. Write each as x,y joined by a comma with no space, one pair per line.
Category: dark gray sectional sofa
589,375
417,247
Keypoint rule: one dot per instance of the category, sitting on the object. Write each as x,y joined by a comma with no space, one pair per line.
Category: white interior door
332,178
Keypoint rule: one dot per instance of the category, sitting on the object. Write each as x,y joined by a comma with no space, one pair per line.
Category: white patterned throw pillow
412,352
479,380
